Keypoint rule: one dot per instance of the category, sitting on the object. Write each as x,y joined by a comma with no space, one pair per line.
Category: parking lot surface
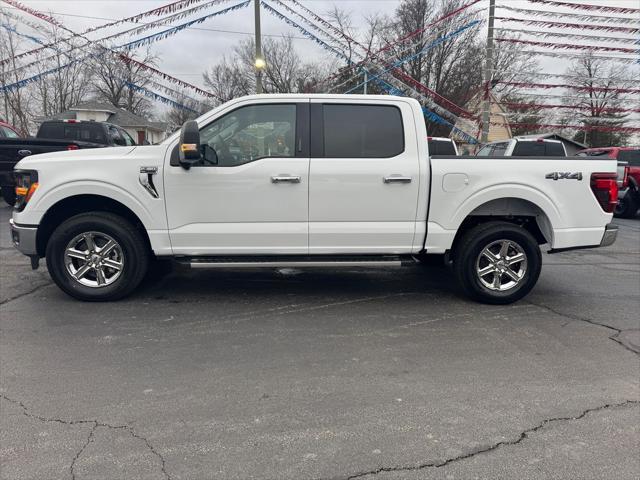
324,374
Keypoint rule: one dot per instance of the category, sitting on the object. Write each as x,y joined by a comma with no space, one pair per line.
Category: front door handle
24,153
396,179
285,179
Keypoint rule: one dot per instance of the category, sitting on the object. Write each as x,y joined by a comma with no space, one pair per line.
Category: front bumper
24,238
610,235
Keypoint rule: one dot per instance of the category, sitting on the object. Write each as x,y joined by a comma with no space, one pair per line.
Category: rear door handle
285,179
24,153
396,179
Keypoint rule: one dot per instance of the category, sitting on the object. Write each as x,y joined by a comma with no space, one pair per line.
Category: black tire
9,195
467,261
627,206
131,245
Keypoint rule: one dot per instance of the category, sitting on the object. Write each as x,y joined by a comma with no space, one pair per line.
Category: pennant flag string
602,128
560,75
410,35
389,88
571,87
146,40
412,83
159,98
611,56
547,34
627,100
433,44
574,16
125,58
620,120
585,6
565,46
577,26
132,31
173,30
539,106
406,78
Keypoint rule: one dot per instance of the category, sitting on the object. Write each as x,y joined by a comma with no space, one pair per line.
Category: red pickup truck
629,182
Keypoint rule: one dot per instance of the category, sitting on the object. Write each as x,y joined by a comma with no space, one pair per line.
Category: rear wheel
97,256
9,195
627,206
497,262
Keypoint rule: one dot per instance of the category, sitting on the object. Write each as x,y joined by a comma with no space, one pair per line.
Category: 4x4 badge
563,176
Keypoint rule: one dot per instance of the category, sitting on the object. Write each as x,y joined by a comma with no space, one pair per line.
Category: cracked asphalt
324,374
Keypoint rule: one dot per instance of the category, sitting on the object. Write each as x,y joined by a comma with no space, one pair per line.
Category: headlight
26,186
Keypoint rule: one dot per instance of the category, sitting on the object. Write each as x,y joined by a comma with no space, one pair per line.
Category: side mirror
189,150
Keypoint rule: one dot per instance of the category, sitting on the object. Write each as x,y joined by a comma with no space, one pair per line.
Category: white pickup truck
303,181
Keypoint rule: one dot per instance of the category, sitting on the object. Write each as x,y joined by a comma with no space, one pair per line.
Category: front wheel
97,256
497,262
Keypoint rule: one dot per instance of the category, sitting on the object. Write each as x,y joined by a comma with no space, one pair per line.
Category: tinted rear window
85,132
441,147
362,131
554,149
529,149
630,156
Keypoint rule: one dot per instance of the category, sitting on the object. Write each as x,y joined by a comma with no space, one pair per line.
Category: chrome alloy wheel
94,259
501,265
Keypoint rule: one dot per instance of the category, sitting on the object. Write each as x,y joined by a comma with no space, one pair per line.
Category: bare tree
285,71
597,96
192,109
15,104
112,75
228,80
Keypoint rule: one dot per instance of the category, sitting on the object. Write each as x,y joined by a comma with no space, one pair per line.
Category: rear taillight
625,178
605,189
71,146
26,186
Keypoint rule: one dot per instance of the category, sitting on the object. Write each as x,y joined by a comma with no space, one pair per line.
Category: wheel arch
516,210
83,203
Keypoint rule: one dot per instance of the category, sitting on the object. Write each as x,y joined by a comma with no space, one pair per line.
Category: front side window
116,137
630,156
362,131
127,138
8,133
485,151
499,149
250,133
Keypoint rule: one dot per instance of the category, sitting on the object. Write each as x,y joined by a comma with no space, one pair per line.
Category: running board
296,262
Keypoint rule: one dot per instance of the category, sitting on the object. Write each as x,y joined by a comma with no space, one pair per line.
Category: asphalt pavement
324,374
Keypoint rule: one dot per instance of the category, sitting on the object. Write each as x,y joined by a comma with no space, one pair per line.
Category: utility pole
259,61
486,75
366,80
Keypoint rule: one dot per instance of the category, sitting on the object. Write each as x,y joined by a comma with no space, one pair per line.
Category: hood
90,155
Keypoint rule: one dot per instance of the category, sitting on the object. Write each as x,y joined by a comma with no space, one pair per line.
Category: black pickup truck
53,136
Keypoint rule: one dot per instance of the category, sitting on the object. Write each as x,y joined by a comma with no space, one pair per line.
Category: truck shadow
176,284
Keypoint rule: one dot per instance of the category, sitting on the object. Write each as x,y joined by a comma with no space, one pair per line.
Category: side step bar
300,262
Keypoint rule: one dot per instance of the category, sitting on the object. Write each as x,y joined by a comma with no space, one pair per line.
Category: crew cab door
254,199
364,177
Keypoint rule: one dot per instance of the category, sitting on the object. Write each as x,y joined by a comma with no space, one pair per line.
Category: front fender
148,210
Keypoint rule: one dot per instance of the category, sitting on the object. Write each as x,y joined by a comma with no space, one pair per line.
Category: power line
217,30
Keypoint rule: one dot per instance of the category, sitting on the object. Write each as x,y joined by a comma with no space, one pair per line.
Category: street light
260,63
